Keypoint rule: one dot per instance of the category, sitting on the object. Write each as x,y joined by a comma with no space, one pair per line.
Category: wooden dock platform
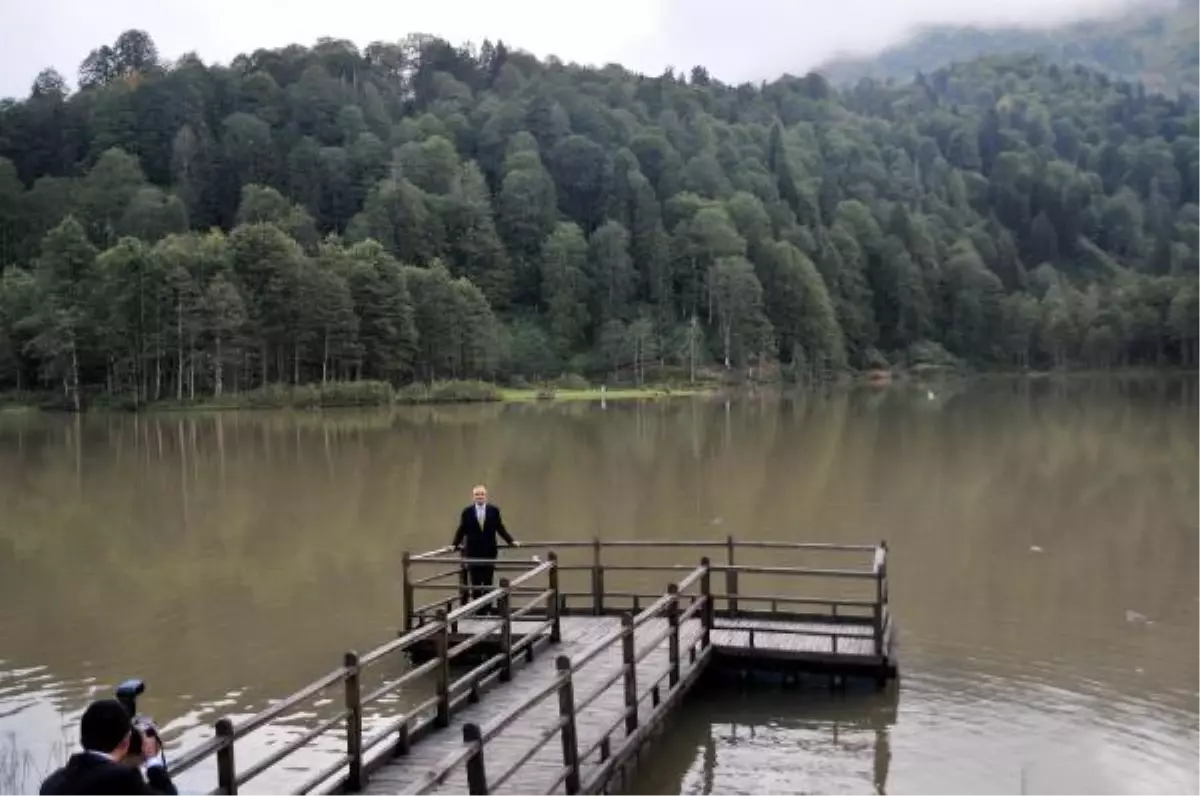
541,687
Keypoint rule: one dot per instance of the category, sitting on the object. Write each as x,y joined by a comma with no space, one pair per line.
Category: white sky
735,39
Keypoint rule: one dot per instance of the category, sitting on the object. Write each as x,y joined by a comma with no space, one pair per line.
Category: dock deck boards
405,774
852,639
535,776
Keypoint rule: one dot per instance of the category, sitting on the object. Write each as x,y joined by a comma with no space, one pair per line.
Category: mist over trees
1153,43
419,211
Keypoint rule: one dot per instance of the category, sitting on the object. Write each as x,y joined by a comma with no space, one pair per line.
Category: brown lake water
1043,570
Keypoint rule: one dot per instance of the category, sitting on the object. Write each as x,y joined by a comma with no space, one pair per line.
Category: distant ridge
1156,45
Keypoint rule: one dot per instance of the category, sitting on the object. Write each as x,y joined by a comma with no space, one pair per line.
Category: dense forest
1154,43
419,211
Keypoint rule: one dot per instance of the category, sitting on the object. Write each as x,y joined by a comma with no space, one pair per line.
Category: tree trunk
218,369
637,361
179,349
325,360
727,333
692,350
74,376
192,367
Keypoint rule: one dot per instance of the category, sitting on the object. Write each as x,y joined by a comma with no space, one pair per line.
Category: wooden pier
557,680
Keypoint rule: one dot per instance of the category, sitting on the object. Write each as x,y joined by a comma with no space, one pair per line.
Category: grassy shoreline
360,395
645,392
344,395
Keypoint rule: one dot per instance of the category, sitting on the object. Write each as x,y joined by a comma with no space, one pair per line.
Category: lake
1043,569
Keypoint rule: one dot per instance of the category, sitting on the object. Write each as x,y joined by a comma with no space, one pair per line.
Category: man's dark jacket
479,542
88,773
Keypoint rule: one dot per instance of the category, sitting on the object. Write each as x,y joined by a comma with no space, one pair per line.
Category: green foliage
416,212
448,392
572,381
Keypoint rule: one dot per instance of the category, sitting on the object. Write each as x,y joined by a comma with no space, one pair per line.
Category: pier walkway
553,683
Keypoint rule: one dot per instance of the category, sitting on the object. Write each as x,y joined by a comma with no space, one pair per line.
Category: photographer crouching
115,741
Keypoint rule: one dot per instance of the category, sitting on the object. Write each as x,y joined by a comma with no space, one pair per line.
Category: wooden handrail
445,573
473,754
349,675
498,563
699,543
600,570
809,571
693,597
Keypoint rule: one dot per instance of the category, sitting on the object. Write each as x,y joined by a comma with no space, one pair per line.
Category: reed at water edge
21,770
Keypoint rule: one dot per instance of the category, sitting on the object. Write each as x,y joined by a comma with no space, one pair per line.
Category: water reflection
772,740
229,558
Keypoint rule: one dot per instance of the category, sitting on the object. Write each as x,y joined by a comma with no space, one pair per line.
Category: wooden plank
772,638
799,637
603,715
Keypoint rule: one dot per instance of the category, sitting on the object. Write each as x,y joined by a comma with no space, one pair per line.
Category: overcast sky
736,39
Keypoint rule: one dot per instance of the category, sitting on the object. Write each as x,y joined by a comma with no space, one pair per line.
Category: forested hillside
1156,44
420,211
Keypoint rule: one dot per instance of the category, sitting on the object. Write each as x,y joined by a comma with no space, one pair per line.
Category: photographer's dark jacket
90,773
477,541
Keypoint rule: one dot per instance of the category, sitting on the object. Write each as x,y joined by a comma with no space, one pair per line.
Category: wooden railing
350,769
585,765
868,604
538,605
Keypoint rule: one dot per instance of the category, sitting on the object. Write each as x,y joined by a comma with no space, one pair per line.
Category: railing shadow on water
479,636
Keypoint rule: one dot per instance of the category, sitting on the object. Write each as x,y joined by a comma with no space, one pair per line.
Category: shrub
572,381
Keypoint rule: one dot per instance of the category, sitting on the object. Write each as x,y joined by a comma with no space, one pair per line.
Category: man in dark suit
104,732
476,537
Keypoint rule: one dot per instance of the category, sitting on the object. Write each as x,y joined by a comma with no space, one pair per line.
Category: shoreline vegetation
363,394
569,388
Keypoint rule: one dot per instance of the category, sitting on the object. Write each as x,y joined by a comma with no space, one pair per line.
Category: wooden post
443,669
731,578
407,590
597,579
226,771
706,612
353,722
877,613
554,607
476,772
464,589
673,639
630,664
886,554
566,710
504,606
403,742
